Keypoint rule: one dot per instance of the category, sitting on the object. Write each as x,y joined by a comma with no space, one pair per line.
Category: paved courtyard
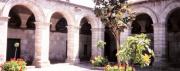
65,67
88,67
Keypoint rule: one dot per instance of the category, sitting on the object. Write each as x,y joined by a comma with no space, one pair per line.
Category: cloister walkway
89,67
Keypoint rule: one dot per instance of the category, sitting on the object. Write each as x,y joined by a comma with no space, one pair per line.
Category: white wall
87,3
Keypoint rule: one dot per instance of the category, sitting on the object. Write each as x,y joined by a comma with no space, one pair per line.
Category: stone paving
88,67
64,67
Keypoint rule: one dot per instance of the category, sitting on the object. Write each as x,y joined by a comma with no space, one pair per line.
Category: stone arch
137,26
168,10
64,12
148,11
33,7
92,19
172,34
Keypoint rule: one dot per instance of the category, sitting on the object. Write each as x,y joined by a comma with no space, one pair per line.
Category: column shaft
97,35
73,44
159,43
41,44
3,38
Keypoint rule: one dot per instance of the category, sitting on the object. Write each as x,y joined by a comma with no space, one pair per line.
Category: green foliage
114,13
14,65
99,61
100,44
136,49
119,68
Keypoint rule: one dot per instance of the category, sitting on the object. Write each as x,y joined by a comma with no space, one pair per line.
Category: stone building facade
160,20
54,30
43,34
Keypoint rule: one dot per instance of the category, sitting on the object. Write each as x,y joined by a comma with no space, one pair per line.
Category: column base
41,63
160,62
73,61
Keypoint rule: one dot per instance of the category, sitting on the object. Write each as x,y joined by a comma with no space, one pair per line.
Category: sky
90,3
87,3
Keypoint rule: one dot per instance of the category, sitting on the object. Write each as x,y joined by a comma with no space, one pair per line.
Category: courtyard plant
14,65
99,61
135,50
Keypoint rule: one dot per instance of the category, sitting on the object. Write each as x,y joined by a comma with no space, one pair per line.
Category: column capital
98,29
72,27
158,25
4,18
42,24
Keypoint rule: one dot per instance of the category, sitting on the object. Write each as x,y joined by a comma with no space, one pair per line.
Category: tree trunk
117,37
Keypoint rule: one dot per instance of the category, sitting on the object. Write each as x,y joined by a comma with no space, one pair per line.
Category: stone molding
31,5
167,10
97,29
142,9
42,25
73,28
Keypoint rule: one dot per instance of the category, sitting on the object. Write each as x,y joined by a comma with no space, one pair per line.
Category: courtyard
89,67
62,35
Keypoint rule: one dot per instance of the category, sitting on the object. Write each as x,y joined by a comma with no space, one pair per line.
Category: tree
115,14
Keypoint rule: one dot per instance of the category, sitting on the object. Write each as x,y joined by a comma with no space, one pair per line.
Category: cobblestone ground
88,67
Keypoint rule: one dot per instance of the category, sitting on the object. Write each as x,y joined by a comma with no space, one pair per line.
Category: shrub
100,44
14,65
99,61
136,50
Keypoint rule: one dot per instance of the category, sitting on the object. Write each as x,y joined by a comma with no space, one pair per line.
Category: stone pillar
97,34
24,19
159,44
53,25
125,34
73,44
41,58
3,38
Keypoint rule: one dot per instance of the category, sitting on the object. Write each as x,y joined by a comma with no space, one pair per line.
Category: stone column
97,34
24,19
73,44
53,25
41,44
3,38
125,34
159,44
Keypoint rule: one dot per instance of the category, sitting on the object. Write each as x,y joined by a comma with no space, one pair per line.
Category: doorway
11,49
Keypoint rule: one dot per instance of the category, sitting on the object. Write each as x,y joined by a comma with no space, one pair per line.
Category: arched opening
173,38
58,39
14,21
85,41
110,47
18,33
30,22
144,24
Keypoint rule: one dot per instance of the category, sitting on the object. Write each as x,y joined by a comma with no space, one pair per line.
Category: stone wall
58,44
173,45
27,42
58,47
85,40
